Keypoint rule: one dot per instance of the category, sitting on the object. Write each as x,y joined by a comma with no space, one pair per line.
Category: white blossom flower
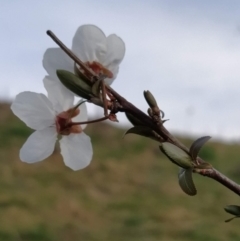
102,54
53,116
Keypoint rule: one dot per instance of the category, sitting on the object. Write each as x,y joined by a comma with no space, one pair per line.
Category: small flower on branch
99,53
51,117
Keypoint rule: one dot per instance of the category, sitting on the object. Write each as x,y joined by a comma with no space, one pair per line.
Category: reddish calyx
99,69
64,123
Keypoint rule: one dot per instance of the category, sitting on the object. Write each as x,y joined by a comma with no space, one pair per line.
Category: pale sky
187,53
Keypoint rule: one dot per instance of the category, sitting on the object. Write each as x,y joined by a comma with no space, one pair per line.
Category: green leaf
197,145
96,88
186,182
230,219
176,155
135,121
142,131
150,99
233,209
81,75
74,84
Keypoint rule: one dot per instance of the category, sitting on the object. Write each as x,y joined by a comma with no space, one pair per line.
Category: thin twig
69,52
160,129
167,136
90,122
219,177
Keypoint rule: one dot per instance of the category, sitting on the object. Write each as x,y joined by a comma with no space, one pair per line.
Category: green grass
129,192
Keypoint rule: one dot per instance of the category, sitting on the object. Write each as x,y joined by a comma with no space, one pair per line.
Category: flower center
96,67
64,123
99,69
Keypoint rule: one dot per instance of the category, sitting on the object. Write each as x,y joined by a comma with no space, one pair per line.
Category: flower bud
151,102
75,84
150,99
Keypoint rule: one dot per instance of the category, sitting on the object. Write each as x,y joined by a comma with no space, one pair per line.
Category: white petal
61,98
34,109
55,58
89,43
82,116
76,150
39,145
114,72
115,51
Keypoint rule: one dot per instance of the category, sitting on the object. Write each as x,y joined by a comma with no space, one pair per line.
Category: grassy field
129,192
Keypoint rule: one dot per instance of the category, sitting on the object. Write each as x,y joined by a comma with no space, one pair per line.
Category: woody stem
90,122
124,106
69,52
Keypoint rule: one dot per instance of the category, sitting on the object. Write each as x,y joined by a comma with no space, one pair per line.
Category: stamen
99,69
64,122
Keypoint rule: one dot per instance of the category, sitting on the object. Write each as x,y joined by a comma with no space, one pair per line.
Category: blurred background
187,54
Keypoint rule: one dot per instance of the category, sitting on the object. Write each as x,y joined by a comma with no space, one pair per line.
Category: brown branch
69,52
166,135
219,177
90,122
160,129
124,106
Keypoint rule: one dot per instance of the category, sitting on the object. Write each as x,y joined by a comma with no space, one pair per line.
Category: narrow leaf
230,219
176,155
81,75
96,88
150,99
163,121
197,145
163,114
186,182
135,121
142,131
233,209
74,83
